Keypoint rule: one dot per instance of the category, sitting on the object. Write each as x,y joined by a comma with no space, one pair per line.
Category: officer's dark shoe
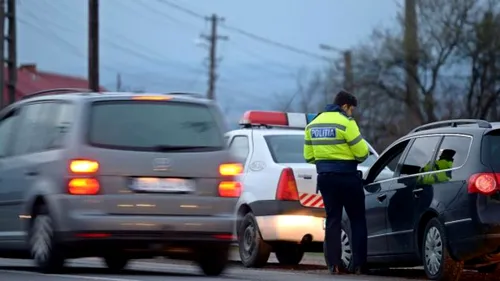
336,270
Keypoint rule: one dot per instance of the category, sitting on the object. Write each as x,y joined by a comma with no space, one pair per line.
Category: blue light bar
310,117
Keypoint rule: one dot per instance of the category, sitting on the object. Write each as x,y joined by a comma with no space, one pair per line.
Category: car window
459,145
154,126
286,148
240,148
386,165
60,125
419,155
6,131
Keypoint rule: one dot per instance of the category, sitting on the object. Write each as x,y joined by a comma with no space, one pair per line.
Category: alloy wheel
346,248
433,250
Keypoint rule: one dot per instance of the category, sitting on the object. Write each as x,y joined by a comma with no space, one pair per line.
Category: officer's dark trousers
344,190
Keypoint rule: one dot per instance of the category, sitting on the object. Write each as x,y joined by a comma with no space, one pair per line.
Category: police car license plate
165,185
324,223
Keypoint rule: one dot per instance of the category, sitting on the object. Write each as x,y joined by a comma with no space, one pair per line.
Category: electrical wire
256,37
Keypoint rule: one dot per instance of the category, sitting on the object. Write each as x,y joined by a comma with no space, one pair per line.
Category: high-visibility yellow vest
334,136
438,176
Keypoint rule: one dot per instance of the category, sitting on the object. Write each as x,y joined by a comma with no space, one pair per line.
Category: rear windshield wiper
163,148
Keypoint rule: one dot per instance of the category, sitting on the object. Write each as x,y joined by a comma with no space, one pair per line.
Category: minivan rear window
490,150
290,149
154,126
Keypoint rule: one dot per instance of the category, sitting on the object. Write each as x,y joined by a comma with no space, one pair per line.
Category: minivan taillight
287,187
483,183
82,177
229,186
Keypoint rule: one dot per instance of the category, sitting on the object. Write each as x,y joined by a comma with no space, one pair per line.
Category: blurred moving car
279,210
116,175
441,206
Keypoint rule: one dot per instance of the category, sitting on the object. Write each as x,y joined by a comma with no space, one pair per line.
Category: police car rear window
154,126
290,149
286,148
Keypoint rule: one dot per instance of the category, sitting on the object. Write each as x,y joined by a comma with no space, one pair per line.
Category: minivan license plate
167,185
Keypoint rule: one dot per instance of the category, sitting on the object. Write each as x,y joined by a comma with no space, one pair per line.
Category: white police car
279,210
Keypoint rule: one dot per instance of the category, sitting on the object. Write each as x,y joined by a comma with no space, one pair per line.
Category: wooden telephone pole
11,61
213,38
93,49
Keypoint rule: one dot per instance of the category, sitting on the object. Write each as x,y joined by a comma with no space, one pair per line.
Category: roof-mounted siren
290,120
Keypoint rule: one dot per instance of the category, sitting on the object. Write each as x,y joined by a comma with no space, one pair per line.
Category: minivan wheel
213,260
346,256
254,251
289,254
116,262
438,264
43,245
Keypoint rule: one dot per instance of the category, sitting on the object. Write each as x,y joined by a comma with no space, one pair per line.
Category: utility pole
348,75
348,79
93,48
2,51
411,49
11,50
118,82
213,38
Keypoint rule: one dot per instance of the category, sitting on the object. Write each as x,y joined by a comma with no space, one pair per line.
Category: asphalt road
93,269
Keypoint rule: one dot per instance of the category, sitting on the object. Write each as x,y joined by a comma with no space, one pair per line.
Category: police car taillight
287,187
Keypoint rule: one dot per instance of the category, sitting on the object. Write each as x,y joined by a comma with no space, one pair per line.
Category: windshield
289,149
153,125
490,150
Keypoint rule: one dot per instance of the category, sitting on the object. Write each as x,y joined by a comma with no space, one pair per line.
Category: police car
279,210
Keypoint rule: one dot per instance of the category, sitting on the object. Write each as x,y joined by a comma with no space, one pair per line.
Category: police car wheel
289,254
438,264
345,238
44,248
254,251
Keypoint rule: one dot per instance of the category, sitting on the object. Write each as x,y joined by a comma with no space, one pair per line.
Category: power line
248,34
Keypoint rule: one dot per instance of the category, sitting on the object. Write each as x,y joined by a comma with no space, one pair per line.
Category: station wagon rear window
290,148
154,126
490,150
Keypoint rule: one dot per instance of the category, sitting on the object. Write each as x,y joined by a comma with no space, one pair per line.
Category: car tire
116,262
345,238
289,254
44,249
254,251
213,260
438,263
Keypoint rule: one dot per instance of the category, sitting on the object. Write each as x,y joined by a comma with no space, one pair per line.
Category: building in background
30,80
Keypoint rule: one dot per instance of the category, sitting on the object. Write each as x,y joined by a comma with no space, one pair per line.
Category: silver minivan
116,175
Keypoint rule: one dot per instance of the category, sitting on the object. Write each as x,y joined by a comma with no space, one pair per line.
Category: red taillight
287,187
83,166
83,186
484,183
229,186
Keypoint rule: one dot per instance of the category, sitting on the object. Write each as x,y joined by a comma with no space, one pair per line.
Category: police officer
444,162
333,142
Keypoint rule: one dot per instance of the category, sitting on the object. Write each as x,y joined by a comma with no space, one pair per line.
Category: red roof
30,80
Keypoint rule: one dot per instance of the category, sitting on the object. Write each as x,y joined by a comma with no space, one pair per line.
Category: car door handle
418,190
381,197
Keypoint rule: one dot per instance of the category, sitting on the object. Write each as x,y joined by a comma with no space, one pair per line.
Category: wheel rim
249,241
346,248
41,238
433,250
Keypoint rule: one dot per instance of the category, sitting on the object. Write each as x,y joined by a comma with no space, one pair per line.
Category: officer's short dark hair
448,154
344,97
